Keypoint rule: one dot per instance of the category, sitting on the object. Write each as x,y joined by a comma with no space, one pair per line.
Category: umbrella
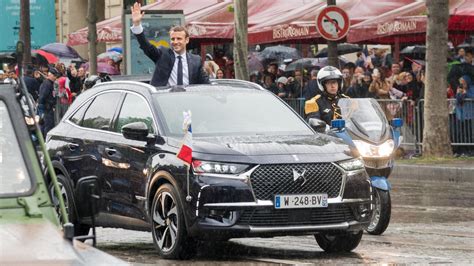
309,63
60,49
342,48
116,49
414,52
104,57
254,63
459,70
103,67
45,57
279,53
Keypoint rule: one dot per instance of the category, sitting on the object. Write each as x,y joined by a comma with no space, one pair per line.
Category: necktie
180,71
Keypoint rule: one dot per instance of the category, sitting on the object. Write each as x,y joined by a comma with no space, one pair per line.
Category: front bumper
227,208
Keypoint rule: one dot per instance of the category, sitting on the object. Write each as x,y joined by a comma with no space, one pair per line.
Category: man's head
468,57
314,73
329,80
299,75
53,74
179,39
461,52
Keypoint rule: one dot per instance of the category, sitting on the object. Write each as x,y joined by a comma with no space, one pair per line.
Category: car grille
289,217
270,180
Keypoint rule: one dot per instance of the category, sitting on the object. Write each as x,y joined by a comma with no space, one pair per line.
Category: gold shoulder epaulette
310,106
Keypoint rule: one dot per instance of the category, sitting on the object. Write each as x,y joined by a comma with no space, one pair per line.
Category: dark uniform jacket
46,99
323,107
164,60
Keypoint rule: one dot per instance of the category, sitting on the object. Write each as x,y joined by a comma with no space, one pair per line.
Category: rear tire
67,195
381,213
344,242
168,225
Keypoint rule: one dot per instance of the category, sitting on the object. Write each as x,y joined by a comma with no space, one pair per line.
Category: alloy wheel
165,221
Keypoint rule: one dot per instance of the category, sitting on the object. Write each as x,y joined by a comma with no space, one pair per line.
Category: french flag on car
186,151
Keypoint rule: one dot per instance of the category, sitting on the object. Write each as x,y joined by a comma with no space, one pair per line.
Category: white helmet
328,73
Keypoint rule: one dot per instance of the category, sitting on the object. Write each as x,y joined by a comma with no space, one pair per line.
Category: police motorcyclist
324,106
47,101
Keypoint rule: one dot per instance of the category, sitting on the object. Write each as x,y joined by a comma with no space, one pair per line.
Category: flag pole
188,197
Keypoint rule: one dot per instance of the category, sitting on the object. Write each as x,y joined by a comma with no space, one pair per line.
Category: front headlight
205,167
368,150
351,165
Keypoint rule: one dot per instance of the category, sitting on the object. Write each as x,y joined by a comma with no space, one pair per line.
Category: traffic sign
332,23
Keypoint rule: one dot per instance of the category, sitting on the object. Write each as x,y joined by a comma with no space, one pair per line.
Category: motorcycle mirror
338,124
317,124
397,122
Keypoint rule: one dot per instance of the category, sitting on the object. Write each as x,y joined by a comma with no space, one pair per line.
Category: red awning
110,30
219,23
408,24
299,24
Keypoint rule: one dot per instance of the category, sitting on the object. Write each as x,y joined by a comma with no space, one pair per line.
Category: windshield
14,176
364,116
229,112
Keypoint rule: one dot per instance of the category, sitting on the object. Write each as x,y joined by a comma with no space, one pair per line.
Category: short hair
180,28
314,73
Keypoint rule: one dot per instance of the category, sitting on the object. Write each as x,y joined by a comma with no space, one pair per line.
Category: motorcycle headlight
351,165
205,167
368,150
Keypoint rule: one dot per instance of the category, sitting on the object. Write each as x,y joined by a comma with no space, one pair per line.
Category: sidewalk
457,171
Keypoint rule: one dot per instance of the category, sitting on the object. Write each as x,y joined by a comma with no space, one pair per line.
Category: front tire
344,242
168,225
67,195
381,213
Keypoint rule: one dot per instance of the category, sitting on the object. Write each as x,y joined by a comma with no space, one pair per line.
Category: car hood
269,149
42,244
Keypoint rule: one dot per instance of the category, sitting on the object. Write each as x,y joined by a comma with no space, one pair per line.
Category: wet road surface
432,222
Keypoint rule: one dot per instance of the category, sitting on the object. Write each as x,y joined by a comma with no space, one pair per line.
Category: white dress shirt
173,79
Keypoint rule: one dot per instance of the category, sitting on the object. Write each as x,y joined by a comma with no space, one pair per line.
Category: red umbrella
48,56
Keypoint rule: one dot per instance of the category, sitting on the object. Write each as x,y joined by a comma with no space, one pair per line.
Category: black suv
258,169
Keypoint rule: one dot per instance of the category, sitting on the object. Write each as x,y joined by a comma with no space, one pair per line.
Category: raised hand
137,14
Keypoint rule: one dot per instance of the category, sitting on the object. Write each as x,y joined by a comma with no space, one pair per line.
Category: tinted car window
14,177
77,117
101,111
134,109
229,112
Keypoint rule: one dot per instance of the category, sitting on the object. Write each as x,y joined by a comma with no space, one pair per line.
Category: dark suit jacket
164,60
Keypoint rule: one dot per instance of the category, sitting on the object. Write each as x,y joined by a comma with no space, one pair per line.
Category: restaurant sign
287,32
395,27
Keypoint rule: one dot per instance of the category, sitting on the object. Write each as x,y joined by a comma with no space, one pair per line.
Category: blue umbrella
116,49
60,50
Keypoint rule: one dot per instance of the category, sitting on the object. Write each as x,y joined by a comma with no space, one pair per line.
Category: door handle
72,146
110,151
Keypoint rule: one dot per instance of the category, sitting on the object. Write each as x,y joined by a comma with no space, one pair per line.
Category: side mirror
88,196
317,124
135,131
397,122
338,124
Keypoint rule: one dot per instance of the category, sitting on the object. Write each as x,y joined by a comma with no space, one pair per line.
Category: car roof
215,85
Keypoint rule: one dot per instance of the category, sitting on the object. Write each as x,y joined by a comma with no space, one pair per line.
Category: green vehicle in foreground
30,230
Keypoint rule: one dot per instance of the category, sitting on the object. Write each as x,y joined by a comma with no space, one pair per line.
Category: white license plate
301,201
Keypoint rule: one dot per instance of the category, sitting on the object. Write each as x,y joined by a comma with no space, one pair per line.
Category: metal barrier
461,119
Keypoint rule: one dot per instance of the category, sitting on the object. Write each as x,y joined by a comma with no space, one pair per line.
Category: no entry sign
332,23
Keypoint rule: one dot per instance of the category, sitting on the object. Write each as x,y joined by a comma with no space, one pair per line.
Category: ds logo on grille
299,176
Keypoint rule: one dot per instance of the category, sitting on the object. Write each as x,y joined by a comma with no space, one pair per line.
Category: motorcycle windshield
364,118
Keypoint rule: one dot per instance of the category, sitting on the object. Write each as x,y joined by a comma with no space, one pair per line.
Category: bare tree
240,40
436,141
92,35
25,30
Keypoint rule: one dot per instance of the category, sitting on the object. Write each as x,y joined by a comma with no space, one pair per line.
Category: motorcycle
366,129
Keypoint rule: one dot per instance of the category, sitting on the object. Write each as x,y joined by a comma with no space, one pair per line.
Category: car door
126,168
88,140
